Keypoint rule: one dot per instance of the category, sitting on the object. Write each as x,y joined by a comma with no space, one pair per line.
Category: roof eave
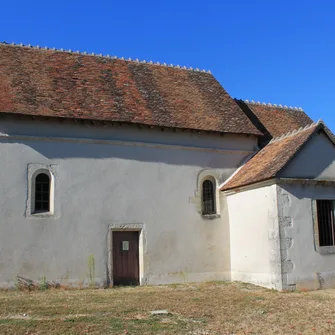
116,122
249,186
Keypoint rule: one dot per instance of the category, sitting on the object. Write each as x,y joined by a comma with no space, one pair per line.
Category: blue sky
281,52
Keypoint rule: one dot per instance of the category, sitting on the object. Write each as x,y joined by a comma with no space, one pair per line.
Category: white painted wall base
261,279
183,277
316,281
66,283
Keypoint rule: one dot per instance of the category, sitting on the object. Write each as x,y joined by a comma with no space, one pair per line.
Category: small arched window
208,197
42,193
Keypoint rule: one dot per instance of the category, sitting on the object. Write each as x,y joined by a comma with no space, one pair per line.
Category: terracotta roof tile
273,120
52,83
269,161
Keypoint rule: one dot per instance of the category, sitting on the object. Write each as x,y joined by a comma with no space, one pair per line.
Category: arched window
42,193
208,197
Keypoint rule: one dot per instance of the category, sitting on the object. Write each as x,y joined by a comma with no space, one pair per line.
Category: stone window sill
210,216
41,214
326,250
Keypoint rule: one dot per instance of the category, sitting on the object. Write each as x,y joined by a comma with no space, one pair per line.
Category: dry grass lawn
209,308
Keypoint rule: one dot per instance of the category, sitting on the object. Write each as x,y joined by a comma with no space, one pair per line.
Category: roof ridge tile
272,105
296,131
105,56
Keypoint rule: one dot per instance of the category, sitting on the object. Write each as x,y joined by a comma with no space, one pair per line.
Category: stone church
126,172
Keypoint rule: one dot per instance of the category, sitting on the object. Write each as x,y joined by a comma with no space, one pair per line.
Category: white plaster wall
102,183
254,237
316,160
303,266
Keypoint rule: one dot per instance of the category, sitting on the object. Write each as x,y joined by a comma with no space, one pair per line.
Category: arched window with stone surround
42,193
208,197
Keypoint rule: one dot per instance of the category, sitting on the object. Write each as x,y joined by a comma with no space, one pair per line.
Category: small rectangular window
325,213
208,197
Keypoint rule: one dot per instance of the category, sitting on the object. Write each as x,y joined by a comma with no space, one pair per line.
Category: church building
124,172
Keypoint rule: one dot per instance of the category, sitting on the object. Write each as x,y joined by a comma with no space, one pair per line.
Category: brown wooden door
125,258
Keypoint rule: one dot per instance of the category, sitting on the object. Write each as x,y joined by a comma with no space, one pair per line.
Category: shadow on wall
309,191
319,167
263,140
315,160
159,154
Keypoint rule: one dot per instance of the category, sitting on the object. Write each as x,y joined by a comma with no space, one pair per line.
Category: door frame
140,228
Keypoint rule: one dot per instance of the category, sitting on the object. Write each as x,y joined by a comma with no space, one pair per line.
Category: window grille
42,193
325,212
208,197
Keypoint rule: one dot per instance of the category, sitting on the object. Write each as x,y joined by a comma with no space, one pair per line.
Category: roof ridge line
296,131
105,56
272,105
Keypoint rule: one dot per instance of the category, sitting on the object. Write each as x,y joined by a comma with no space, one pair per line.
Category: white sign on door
125,245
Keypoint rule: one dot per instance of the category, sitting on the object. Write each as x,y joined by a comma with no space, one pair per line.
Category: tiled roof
52,83
269,161
274,120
